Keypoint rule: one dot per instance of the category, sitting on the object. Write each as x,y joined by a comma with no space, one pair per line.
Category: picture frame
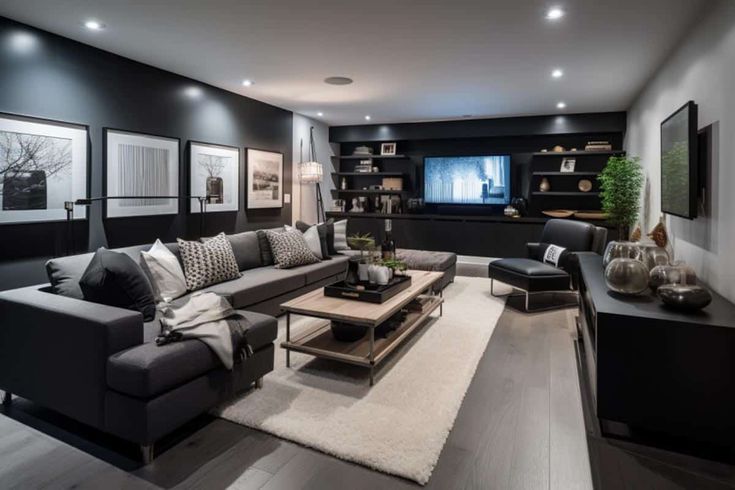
567,165
388,149
214,171
43,164
264,179
139,164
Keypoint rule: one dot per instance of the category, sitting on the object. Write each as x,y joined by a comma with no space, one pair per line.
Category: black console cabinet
656,370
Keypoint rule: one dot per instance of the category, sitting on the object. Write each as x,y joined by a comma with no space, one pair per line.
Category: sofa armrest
532,250
54,349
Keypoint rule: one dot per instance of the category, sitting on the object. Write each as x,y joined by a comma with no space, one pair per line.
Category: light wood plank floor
521,426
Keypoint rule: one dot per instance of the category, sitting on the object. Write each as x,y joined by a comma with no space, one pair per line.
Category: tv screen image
467,180
679,162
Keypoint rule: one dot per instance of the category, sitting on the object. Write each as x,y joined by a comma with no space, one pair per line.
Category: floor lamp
87,201
311,172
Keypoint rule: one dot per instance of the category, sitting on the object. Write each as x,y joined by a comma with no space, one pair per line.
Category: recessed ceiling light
338,80
320,114
193,92
554,13
247,83
94,25
561,105
367,118
557,73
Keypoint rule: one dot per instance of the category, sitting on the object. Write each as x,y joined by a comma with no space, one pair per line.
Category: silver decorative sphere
621,250
626,276
664,274
653,256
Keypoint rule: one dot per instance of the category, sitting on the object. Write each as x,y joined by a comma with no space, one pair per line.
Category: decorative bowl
684,297
626,276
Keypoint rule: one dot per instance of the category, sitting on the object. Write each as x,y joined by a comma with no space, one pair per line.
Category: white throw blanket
204,317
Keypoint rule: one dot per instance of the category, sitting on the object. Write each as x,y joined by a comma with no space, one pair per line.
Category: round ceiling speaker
338,80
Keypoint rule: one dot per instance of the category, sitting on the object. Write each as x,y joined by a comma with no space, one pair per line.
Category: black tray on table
372,293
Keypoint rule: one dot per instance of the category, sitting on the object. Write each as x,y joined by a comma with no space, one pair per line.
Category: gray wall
47,76
701,69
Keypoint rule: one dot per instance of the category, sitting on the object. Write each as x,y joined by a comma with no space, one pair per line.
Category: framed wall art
141,165
264,179
43,164
214,171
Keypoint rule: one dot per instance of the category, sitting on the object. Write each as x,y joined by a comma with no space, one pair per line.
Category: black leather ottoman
531,276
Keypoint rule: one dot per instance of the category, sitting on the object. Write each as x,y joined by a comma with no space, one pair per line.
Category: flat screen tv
679,162
467,180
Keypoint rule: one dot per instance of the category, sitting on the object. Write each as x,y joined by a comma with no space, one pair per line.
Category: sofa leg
259,383
147,453
7,398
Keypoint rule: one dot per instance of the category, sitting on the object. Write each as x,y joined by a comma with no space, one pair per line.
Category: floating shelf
366,174
369,191
366,157
577,153
571,174
571,193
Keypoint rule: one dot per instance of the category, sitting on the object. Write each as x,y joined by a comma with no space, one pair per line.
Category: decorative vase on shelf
653,255
684,297
544,186
661,275
620,250
627,276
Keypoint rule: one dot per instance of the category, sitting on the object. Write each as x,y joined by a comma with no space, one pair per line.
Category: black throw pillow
330,237
114,279
323,240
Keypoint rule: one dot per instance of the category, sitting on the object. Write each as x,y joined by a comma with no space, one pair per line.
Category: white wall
701,69
304,195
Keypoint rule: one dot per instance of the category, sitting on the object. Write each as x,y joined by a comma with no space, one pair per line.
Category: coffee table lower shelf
366,352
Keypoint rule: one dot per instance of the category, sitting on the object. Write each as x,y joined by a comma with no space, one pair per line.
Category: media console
658,371
484,236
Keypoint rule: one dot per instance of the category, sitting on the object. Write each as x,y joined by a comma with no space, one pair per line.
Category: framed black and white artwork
214,172
265,179
43,164
141,165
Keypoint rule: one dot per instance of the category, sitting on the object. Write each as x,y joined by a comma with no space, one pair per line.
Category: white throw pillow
311,237
340,235
164,271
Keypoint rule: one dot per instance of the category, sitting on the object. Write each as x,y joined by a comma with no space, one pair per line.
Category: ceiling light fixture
367,118
554,13
94,25
247,83
561,105
557,73
320,114
338,80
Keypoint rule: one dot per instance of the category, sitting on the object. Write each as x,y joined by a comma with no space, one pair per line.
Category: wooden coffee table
368,351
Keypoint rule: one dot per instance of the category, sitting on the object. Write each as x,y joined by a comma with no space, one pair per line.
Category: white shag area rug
400,424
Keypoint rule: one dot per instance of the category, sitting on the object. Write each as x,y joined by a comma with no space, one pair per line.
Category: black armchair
532,275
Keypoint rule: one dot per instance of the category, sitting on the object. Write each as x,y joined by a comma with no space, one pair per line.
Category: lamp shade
311,172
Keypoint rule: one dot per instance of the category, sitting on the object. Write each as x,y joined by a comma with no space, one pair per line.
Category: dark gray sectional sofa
100,365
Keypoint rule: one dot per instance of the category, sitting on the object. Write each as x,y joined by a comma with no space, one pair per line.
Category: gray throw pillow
246,247
208,263
322,229
290,249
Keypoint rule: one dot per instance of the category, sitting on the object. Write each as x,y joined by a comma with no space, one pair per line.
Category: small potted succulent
398,267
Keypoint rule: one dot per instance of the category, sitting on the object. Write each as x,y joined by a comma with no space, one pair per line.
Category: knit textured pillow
208,263
290,249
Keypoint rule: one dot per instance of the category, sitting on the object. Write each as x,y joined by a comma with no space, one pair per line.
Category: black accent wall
48,76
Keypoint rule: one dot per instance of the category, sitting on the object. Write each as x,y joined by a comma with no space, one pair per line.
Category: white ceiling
411,60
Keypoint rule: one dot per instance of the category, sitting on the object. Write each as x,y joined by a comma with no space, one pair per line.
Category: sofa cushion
114,279
290,249
322,270
64,272
246,248
266,254
426,260
258,285
322,230
164,271
148,370
527,267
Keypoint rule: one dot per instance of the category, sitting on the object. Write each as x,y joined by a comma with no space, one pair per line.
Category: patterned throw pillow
290,249
208,263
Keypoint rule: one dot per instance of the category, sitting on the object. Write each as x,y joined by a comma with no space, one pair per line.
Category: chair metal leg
259,383
7,398
146,453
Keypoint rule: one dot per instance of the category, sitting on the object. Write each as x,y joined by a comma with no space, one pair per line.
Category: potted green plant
621,182
397,266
